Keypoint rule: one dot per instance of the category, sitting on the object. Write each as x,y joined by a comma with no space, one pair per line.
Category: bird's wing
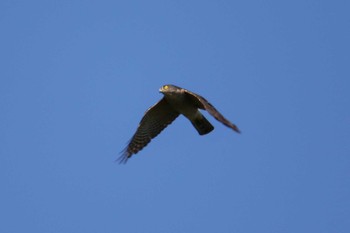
156,118
202,103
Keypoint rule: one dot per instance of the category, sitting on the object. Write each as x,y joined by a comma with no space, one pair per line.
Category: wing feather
202,103
156,118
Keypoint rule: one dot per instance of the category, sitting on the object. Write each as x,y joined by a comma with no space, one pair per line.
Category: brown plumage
176,101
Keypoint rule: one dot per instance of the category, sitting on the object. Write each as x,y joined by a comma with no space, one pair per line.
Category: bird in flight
176,101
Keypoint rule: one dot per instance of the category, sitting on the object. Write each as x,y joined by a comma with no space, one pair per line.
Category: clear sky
77,76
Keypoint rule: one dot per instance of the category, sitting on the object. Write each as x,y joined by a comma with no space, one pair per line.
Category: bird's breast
183,106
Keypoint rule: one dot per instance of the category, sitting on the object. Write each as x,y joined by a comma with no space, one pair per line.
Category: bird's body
183,105
176,101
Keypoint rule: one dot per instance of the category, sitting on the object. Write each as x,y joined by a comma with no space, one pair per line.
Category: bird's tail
202,125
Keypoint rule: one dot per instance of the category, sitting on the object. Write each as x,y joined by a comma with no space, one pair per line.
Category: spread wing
202,103
156,118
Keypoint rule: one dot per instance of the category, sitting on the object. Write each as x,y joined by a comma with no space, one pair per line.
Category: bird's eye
166,87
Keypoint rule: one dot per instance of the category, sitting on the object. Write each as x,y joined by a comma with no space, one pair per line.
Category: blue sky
77,76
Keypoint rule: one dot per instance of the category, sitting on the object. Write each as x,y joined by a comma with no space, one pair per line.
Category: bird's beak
161,89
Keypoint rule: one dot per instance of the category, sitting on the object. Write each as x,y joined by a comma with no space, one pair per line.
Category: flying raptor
176,101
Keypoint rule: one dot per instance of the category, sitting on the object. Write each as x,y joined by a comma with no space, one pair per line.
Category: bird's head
168,89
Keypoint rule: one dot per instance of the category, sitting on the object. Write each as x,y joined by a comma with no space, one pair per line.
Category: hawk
176,101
